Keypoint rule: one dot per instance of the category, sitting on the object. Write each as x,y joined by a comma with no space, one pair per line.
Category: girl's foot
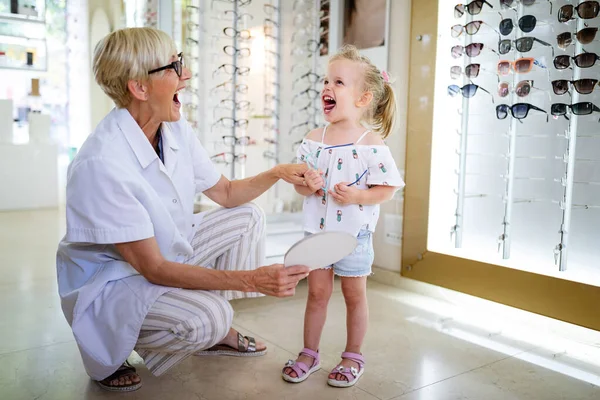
348,371
299,370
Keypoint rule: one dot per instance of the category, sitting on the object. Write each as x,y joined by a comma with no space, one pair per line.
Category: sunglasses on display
175,65
583,60
584,36
473,8
584,108
518,111
467,91
523,45
472,50
522,89
470,29
520,66
509,3
582,86
526,23
585,10
471,71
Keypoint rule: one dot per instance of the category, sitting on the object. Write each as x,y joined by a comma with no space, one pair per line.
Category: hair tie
386,77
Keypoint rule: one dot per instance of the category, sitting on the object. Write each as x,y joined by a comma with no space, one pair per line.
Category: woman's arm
230,194
145,257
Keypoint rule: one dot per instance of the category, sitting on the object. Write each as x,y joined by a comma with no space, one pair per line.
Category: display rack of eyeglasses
306,48
272,81
227,59
192,22
576,51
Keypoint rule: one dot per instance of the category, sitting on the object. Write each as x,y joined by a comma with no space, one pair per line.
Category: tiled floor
411,353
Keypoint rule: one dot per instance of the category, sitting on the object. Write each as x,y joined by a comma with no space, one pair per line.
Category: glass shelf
21,18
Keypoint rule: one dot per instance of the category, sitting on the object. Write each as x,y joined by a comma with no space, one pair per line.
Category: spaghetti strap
323,137
360,138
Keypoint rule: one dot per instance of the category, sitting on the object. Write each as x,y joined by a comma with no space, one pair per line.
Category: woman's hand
345,194
314,180
277,280
292,173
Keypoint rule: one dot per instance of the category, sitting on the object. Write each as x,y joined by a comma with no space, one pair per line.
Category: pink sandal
352,374
302,370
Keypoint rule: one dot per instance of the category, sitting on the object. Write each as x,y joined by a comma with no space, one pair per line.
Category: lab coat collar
138,141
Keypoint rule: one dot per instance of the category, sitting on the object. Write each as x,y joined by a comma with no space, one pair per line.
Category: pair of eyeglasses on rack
585,10
582,86
270,9
309,93
519,66
241,52
270,155
522,45
471,50
231,69
240,3
522,89
228,122
307,126
471,28
229,158
229,104
310,76
584,36
526,23
231,32
583,108
513,3
467,91
229,87
230,140
471,71
583,60
518,111
473,8
232,15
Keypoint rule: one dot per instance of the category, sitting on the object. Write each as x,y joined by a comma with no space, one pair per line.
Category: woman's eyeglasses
175,65
519,111
582,86
585,10
584,36
472,50
583,60
522,89
470,29
520,66
526,23
523,45
467,91
473,8
228,158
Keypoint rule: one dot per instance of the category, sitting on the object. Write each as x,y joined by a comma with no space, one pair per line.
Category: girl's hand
345,194
314,179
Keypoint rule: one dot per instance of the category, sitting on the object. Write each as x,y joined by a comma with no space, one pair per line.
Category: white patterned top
362,166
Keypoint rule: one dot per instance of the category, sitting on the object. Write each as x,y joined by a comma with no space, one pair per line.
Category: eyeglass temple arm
485,2
491,95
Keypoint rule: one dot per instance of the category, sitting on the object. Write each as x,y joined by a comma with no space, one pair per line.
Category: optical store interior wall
516,165
256,65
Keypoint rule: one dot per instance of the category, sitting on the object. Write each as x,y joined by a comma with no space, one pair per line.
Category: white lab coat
118,190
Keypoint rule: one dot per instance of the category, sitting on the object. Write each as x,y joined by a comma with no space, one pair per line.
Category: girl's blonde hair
128,54
382,112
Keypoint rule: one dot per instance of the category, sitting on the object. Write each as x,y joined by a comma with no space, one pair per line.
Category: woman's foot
125,379
232,340
234,344
307,363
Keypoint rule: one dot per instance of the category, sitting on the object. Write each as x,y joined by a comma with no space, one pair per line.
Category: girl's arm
378,194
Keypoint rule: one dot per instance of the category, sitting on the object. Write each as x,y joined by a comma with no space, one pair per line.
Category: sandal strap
311,353
298,367
347,372
125,369
242,348
357,358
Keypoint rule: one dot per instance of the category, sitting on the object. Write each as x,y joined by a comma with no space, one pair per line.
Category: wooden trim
564,300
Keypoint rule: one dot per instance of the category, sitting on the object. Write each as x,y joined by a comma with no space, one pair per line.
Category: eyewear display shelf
516,138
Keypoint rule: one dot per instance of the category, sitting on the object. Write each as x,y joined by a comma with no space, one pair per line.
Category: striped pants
182,322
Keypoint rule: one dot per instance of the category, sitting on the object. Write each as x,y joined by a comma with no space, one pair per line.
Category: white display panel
519,194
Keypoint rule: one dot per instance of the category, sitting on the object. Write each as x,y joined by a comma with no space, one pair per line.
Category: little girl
351,172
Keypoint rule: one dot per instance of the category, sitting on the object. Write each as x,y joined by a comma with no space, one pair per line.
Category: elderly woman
137,269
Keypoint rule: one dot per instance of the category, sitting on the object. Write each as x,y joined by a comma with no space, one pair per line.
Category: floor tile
510,379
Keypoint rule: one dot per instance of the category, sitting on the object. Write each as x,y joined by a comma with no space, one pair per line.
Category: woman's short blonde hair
128,54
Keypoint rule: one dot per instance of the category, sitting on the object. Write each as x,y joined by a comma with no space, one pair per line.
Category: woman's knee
256,215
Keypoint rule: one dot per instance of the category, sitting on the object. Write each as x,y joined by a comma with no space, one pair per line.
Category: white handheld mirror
320,249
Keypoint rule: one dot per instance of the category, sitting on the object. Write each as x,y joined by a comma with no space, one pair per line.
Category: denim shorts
359,262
